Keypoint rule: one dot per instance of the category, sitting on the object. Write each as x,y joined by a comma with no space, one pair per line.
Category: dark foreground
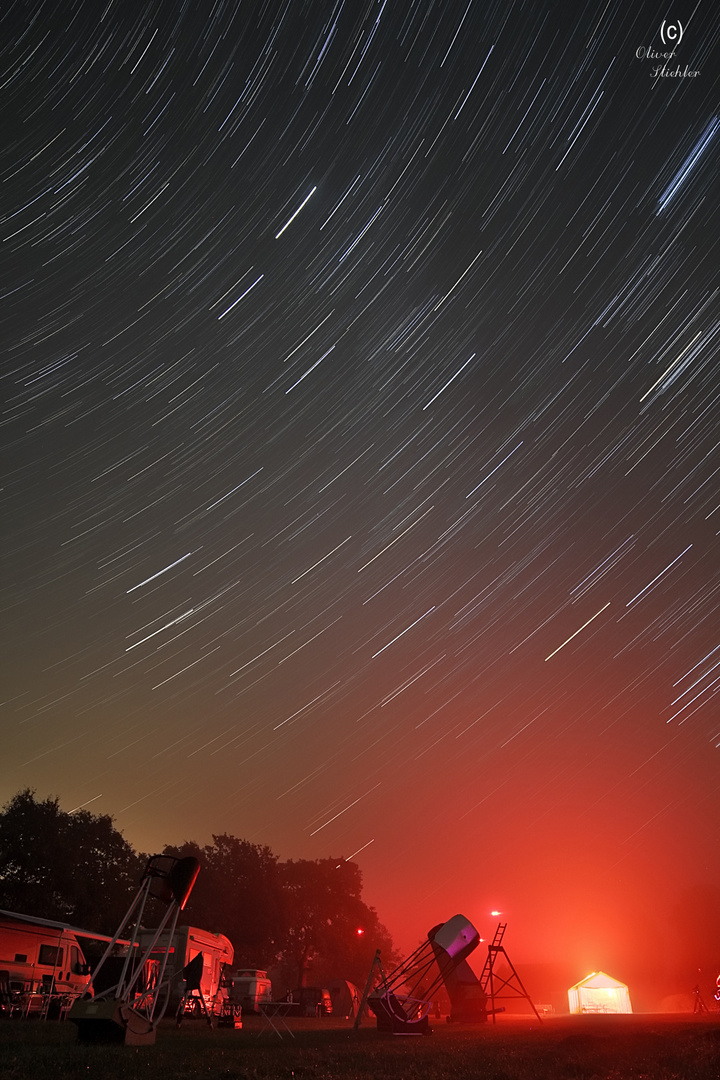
577,1048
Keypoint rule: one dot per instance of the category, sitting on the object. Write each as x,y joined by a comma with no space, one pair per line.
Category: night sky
359,414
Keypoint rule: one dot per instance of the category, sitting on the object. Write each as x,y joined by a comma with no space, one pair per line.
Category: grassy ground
564,1048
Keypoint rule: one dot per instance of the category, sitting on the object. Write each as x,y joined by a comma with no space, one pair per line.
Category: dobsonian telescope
451,943
132,1007
402,1000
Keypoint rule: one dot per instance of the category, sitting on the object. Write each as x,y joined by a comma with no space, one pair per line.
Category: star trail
359,418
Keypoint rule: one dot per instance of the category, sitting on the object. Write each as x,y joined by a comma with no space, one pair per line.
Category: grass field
562,1048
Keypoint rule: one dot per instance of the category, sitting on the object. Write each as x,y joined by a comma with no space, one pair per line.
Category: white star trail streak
341,812
402,633
242,296
578,631
165,569
658,576
292,218
688,165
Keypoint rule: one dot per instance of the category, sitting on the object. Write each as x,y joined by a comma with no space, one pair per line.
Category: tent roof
599,980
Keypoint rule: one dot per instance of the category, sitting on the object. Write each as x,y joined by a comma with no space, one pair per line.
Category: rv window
75,963
50,955
20,958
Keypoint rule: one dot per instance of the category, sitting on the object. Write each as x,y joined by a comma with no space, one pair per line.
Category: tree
238,893
74,868
307,916
300,918
330,931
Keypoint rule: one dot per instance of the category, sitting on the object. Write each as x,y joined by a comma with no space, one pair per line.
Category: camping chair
56,1004
9,999
192,999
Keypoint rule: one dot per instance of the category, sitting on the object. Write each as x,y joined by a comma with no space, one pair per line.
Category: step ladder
492,949
497,986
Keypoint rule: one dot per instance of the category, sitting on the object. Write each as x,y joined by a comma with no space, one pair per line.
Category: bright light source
359,931
599,993
496,912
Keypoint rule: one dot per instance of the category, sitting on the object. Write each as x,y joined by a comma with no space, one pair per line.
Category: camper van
187,942
43,960
250,988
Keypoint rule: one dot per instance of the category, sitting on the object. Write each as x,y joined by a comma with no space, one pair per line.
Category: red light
359,931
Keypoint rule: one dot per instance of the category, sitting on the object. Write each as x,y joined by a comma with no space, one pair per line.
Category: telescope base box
393,1020
111,1021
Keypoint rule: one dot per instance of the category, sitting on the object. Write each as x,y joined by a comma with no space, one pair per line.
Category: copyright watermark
671,34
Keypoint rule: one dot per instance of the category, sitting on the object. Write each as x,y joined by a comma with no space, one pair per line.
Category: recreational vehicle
250,988
187,942
43,961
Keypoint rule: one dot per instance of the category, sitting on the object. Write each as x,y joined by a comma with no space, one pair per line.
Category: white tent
599,993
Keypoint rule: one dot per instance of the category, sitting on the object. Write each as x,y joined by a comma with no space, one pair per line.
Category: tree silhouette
75,868
305,919
238,893
299,918
324,911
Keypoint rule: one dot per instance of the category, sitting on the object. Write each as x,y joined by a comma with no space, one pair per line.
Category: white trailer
187,942
44,961
250,988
